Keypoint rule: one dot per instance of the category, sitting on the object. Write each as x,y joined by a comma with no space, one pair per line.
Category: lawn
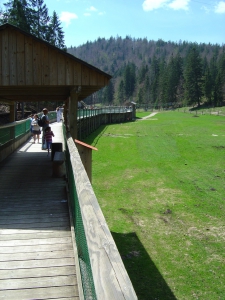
160,183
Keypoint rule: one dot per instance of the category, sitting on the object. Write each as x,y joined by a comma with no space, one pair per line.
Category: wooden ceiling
32,70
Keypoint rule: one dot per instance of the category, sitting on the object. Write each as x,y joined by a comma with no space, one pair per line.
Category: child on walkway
48,137
36,128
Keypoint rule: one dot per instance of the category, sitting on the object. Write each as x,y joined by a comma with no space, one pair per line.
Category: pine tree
129,80
154,78
140,98
218,90
121,93
17,13
109,93
208,85
193,77
40,19
55,35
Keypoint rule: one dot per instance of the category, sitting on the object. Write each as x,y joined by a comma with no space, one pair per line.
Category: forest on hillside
150,73
156,73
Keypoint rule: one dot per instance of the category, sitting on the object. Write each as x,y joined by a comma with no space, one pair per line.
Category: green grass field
160,183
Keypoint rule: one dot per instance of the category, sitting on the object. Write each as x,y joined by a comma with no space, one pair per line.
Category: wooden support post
73,105
12,112
85,152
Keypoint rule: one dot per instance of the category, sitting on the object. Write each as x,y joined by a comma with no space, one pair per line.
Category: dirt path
149,116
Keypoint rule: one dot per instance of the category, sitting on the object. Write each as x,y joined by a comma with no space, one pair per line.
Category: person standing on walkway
48,137
36,128
59,114
31,119
45,121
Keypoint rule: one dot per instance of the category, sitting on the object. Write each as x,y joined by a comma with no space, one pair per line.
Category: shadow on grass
147,281
96,135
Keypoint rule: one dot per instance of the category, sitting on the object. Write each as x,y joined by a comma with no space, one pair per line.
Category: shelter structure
33,70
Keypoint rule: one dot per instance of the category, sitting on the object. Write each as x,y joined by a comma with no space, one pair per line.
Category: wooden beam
12,112
73,103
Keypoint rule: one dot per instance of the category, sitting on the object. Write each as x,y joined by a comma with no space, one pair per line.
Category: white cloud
220,7
101,13
206,9
155,4
66,17
87,14
179,4
92,8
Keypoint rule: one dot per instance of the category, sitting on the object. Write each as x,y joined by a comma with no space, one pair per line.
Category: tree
193,76
218,90
17,13
55,35
109,93
40,19
140,98
208,85
121,93
129,79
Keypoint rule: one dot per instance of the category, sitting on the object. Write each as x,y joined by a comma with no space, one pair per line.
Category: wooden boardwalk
36,249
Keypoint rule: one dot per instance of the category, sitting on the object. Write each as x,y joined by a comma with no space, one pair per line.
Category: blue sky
201,21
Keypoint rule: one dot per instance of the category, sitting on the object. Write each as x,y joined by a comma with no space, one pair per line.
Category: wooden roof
33,70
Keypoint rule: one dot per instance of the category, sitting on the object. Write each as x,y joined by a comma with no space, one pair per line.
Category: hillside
156,72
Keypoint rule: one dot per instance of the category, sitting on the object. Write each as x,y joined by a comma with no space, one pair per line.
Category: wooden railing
111,280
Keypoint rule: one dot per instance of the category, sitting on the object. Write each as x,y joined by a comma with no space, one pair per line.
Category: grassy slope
160,184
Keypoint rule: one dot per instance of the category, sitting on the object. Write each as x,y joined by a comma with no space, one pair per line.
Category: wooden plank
53,70
46,230
37,219
21,235
93,77
34,216
39,272
40,293
32,264
36,63
12,58
34,248
5,58
36,225
61,69
20,59
102,80
42,282
86,145
85,75
28,48
45,80
69,71
34,241
36,255
77,73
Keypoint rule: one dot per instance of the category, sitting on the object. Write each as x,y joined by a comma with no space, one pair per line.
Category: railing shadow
147,281
95,136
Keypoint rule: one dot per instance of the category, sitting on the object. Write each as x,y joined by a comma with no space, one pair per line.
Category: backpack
41,121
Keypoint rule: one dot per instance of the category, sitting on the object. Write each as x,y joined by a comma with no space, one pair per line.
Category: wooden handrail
110,276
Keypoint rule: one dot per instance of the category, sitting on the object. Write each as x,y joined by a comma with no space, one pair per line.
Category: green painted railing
12,131
85,113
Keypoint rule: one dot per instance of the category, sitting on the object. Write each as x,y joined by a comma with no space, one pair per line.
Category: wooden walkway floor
36,250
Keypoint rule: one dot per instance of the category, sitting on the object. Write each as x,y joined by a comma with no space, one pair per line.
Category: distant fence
209,111
88,120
